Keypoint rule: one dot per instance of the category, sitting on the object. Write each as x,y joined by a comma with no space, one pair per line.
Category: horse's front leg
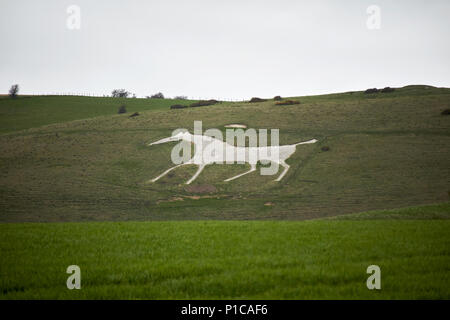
253,168
199,170
166,172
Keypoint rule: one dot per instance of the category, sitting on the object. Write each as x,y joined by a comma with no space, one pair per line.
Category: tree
14,91
158,95
120,93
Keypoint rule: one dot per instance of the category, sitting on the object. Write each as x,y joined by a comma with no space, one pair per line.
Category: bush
180,98
120,93
14,91
203,103
369,91
255,99
277,98
178,106
122,109
326,148
446,112
387,90
287,103
158,95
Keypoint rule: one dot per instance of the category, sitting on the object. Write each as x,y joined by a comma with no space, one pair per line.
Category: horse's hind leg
253,168
286,168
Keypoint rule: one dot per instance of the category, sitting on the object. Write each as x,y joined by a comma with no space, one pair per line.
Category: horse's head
176,137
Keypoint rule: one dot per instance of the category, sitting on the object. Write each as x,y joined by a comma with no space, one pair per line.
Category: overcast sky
228,49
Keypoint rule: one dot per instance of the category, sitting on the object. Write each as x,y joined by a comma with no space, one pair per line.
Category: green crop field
319,259
74,189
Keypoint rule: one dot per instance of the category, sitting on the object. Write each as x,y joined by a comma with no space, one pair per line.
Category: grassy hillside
27,112
429,212
386,150
320,259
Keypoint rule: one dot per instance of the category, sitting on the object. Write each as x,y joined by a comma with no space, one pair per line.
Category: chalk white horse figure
276,154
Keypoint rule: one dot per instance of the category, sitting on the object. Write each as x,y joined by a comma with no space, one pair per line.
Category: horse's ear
183,133
180,134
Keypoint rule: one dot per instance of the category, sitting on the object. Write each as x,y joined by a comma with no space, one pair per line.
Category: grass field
79,172
36,111
320,259
386,151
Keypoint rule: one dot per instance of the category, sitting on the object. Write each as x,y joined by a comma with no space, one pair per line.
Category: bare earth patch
170,200
196,197
202,188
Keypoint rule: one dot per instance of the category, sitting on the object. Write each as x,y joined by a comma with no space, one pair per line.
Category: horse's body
231,154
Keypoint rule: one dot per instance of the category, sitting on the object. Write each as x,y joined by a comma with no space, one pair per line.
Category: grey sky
229,49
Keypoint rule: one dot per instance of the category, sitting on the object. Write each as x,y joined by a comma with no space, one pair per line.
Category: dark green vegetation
386,150
320,259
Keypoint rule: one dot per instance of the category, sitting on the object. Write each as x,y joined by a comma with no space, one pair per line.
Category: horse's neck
205,139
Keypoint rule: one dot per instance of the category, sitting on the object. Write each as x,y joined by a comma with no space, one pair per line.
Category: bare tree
14,91
120,93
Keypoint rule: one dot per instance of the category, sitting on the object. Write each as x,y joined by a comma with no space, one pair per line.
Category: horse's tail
307,142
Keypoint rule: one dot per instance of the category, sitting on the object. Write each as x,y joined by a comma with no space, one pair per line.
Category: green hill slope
386,150
34,111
